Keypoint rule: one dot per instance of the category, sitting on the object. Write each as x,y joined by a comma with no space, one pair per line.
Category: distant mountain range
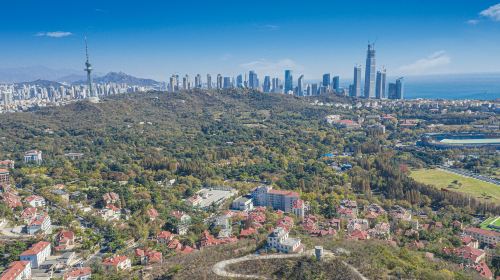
44,76
120,77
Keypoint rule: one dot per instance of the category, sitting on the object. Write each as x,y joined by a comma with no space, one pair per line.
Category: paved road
220,267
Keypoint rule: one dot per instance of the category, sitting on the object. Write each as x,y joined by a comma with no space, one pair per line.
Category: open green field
457,183
493,221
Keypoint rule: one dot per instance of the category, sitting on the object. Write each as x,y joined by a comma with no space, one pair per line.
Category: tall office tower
266,87
308,89
275,85
336,84
370,72
326,80
245,82
172,84
392,94
400,88
253,80
314,89
177,82
300,86
219,81
380,84
88,69
197,81
288,81
227,82
239,81
356,87
209,81
185,82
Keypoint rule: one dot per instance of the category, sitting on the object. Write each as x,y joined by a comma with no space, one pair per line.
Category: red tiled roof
33,197
14,270
248,232
114,261
284,192
359,234
164,235
36,248
482,231
78,272
177,214
4,170
187,250
152,213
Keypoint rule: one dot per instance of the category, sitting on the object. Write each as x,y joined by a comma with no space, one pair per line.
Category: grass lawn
494,221
446,180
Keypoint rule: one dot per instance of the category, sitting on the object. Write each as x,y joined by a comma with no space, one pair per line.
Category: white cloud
268,27
427,64
492,12
473,21
54,34
267,67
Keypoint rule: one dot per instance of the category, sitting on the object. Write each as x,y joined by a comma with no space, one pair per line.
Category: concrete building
35,201
183,221
277,199
370,72
17,270
484,236
117,263
39,224
37,254
33,156
242,203
279,240
4,177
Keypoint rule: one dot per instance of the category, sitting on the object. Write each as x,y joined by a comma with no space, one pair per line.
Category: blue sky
157,38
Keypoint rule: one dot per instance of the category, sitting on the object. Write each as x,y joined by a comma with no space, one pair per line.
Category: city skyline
188,41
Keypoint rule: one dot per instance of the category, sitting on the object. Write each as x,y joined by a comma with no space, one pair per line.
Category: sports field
453,182
491,223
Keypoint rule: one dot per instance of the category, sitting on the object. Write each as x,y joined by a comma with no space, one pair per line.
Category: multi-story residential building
33,156
4,177
35,201
110,197
39,224
37,254
357,224
380,84
65,240
299,208
17,270
485,236
277,199
242,203
117,263
7,164
183,221
279,240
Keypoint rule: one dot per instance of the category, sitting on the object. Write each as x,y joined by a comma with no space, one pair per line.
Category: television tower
88,69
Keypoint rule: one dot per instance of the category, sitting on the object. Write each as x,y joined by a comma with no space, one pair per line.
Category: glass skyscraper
370,72
356,87
380,85
326,80
336,84
288,81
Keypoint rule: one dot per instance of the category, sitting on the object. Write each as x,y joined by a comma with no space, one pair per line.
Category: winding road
220,267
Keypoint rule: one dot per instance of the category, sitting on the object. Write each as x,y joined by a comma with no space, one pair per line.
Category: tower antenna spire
88,69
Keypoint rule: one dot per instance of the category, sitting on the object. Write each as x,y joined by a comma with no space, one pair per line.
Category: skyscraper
288,81
253,80
380,84
336,84
197,81
275,87
219,81
227,82
239,81
209,81
172,84
370,72
400,88
356,87
266,87
185,83
300,86
326,80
